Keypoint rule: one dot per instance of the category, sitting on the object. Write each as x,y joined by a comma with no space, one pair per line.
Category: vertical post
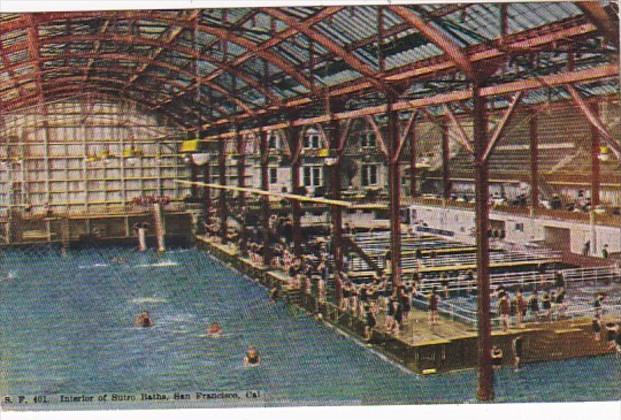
336,211
534,165
193,178
265,201
595,169
158,219
241,182
206,193
394,184
446,187
296,209
413,160
485,391
222,201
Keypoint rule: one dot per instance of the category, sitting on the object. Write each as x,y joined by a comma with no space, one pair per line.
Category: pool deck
450,345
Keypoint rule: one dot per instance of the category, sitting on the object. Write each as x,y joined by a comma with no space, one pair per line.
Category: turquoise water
66,327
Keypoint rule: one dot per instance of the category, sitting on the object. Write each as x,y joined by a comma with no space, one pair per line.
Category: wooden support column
222,201
207,204
394,184
336,212
241,182
595,166
295,144
485,391
534,165
446,183
193,178
265,201
413,161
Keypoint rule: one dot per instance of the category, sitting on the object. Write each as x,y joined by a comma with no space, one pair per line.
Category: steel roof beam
68,91
162,64
595,13
306,29
438,38
502,125
540,82
33,49
251,47
594,120
136,40
171,35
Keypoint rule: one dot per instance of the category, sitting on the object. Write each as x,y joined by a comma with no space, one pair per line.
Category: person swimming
252,357
496,356
214,330
143,320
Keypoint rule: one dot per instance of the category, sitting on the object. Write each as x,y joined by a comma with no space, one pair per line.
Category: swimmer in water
143,320
252,357
496,357
214,330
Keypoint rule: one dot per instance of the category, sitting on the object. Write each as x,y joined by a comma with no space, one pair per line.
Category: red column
534,164
222,204
485,389
446,187
206,194
193,178
413,160
394,184
265,201
296,208
595,169
241,182
336,211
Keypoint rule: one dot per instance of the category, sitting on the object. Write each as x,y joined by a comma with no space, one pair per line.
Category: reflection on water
70,330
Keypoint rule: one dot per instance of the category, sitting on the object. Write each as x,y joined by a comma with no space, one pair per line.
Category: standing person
433,307
611,332
586,248
560,302
389,322
597,304
520,308
605,252
517,345
445,284
406,301
504,309
533,305
597,327
397,316
370,321
546,304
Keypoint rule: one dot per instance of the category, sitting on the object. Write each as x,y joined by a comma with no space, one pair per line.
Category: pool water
66,327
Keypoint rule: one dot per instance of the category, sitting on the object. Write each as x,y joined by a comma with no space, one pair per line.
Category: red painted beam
222,204
394,186
594,120
594,11
534,163
595,166
265,201
485,389
441,40
502,125
306,29
462,137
